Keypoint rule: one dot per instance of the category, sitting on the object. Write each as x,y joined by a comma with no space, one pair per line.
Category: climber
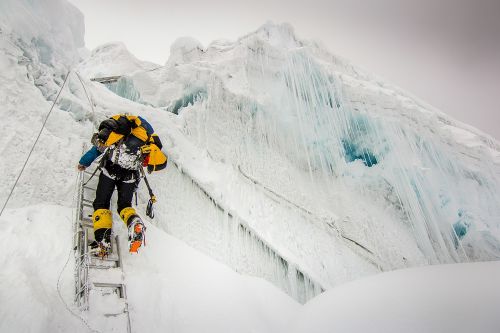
127,143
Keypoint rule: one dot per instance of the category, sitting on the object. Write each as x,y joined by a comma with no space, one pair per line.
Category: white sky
447,52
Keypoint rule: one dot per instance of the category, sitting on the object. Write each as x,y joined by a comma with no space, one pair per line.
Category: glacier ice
124,87
190,98
112,59
54,27
343,172
210,227
185,50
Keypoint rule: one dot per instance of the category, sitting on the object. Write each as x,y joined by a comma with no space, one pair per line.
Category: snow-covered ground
290,171
172,287
442,298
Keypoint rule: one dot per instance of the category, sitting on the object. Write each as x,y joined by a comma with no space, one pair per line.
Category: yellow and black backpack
123,126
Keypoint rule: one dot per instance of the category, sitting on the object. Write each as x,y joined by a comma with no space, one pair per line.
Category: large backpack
136,132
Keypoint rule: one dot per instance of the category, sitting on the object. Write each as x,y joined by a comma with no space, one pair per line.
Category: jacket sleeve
89,156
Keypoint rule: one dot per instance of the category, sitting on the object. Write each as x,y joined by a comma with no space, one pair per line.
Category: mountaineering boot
136,235
136,228
102,232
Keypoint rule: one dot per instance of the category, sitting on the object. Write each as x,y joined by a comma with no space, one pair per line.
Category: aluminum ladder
99,283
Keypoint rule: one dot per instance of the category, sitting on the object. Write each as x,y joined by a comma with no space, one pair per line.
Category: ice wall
368,161
124,87
192,214
39,42
49,31
342,173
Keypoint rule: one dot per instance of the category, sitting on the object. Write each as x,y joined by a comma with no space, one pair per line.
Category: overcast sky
447,52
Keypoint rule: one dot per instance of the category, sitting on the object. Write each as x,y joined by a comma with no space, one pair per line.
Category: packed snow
291,172
171,287
442,298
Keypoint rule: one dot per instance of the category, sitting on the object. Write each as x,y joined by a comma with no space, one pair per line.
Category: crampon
136,235
100,249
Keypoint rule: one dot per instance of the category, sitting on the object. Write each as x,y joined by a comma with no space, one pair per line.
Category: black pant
105,188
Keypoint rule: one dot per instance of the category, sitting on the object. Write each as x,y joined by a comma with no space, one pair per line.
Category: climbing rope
86,93
34,144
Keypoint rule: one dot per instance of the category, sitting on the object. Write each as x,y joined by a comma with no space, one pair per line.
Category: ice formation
185,50
112,59
39,42
343,173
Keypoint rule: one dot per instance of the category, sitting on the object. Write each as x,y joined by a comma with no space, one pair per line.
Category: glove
81,167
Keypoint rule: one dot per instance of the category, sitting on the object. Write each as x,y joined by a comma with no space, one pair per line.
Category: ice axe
152,199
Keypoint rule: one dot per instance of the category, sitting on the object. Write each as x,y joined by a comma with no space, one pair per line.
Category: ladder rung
120,287
87,218
88,225
107,259
94,266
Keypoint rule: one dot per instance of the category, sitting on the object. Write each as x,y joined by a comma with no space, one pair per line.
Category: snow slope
443,298
37,244
170,286
189,292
